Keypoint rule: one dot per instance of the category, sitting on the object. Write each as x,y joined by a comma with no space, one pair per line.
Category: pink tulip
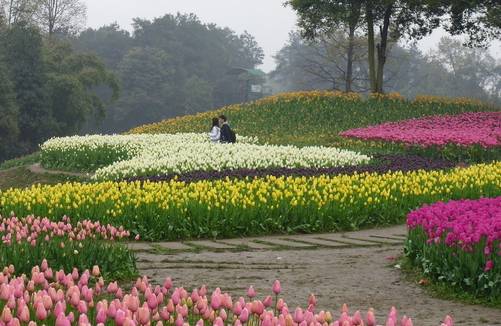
276,287
244,315
101,316
61,320
143,314
298,315
41,313
24,314
251,293
152,301
268,301
371,319
6,315
120,317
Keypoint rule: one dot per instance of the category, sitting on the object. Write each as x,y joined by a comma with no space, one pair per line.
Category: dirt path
38,169
350,268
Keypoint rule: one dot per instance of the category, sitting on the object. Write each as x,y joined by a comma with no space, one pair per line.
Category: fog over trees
59,78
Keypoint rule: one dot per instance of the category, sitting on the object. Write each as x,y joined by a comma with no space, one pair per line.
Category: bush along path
356,268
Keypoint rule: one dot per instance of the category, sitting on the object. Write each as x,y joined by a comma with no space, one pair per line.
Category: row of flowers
91,152
459,242
467,129
381,163
149,155
26,241
316,117
226,208
85,299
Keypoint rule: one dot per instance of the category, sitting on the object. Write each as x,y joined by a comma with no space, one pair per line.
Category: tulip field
231,208
85,299
459,243
149,155
29,240
304,162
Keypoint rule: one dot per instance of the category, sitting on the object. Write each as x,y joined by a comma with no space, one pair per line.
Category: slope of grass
21,177
316,117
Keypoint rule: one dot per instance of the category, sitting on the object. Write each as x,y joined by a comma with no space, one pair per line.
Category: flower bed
150,155
315,117
233,208
26,241
85,299
459,243
379,164
468,129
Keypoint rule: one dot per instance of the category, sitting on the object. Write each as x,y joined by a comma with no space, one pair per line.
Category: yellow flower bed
174,210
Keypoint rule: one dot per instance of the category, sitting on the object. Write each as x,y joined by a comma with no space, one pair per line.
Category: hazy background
267,20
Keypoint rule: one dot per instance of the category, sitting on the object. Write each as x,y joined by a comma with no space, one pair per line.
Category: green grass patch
21,177
442,290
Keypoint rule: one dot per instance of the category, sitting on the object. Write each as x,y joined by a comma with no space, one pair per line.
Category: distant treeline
451,69
170,66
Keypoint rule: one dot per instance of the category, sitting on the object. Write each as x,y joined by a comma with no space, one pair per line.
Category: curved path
38,169
356,268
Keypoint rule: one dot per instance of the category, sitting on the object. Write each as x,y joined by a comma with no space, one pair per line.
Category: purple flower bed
382,164
467,129
459,242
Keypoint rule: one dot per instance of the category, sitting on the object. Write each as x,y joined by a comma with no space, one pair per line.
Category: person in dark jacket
227,135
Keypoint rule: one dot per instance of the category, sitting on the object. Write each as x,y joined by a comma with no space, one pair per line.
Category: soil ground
354,268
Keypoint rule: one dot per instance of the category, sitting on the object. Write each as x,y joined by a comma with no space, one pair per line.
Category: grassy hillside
315,118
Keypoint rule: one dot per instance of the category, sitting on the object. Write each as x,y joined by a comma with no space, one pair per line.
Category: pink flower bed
56,298
461,223
467,129
33,229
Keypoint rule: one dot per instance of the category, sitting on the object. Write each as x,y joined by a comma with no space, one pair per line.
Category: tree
24,59
169,66
401,16
474,72
321,18
73,82
322,62
67,16
9,129
17,11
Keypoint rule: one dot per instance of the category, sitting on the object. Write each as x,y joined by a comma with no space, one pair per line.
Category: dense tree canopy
46,89
170,66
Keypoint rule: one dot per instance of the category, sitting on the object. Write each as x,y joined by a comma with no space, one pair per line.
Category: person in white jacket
215,132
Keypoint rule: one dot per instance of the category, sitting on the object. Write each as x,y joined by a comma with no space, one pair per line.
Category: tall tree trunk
381,48
354,17
349,61
371,42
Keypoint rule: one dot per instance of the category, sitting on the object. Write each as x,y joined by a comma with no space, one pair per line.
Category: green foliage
46,89
21,161
21,177
169,66
23,56
72,80
460,269
9,129
114,259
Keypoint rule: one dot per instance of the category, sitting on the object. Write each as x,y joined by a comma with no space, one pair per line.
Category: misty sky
268,20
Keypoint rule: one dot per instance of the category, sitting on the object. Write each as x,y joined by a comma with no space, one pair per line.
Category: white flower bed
149,155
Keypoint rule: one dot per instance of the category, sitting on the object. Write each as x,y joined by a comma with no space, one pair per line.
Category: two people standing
221,131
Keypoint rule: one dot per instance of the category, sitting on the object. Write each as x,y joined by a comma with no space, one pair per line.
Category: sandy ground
360,277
